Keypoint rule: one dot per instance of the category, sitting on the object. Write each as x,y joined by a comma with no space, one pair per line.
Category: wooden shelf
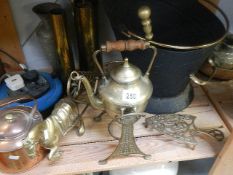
221,95
81,154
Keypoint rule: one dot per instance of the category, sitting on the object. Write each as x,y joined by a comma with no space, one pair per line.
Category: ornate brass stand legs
127,145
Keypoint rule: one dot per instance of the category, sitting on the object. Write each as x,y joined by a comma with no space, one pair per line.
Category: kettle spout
94,101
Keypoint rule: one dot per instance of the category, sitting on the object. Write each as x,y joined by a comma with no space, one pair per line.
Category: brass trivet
181,127
127,145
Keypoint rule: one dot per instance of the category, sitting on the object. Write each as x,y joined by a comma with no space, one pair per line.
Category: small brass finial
144,13
126,62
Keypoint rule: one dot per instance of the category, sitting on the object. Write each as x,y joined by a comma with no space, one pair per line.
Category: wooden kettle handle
124,45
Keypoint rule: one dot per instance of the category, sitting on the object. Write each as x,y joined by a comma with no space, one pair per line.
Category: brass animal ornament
49,132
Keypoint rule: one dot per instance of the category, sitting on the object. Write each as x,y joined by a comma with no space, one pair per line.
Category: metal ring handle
198,81
10,100
130,34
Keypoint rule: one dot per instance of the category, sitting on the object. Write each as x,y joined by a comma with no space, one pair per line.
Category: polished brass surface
221,73
223,53
131,34
133,73
124,87
127,145
86,30
76,90
49,132
15,124
181,128
62,43
94,101
144,13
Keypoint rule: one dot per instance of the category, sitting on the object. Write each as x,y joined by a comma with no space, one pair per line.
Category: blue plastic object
44,102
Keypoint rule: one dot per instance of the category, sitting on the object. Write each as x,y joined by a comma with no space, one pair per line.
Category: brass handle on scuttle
144,14
201,82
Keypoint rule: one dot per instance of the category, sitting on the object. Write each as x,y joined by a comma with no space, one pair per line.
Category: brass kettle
123,89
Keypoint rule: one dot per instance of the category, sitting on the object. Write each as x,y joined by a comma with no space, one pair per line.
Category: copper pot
15,123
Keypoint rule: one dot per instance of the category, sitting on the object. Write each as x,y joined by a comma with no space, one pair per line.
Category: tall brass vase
62,43
84,13
52,35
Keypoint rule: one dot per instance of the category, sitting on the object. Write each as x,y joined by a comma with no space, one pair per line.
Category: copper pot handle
198,81
10,100
125,45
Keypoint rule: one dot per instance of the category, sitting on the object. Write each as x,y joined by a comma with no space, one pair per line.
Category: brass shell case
86,33
62,44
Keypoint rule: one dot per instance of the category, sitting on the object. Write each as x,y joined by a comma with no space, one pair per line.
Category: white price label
11,157
46,135
130,96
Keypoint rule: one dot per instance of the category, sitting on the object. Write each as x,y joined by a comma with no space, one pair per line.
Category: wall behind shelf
26,23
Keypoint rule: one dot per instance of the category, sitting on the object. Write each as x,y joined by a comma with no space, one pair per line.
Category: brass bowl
221,73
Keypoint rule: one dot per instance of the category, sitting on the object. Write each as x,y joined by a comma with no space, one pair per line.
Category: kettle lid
15,123
125,73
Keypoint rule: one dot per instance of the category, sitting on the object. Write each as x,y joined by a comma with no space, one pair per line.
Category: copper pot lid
15,123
